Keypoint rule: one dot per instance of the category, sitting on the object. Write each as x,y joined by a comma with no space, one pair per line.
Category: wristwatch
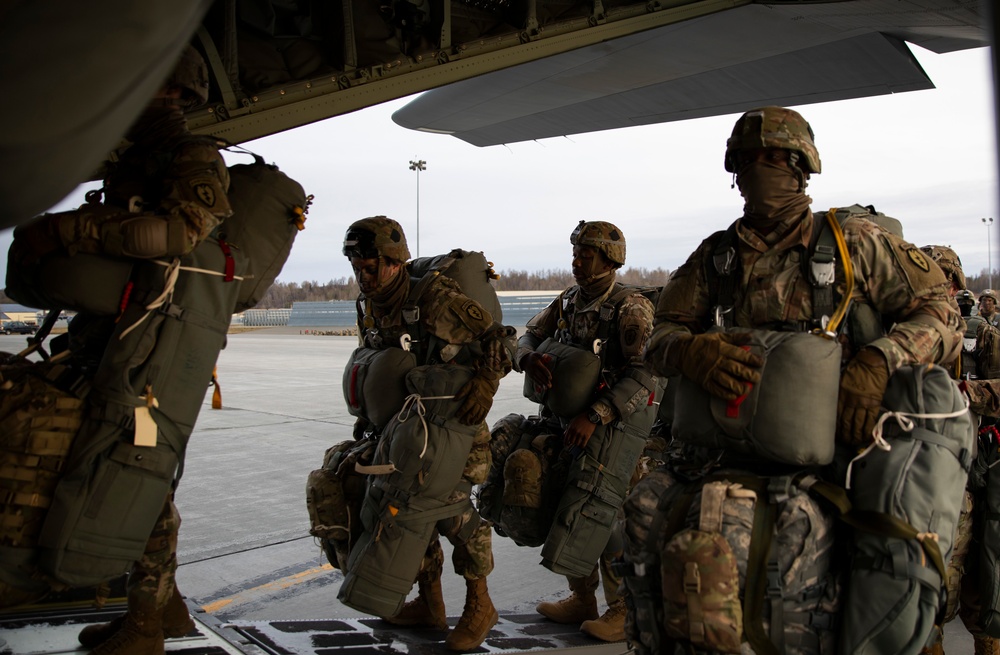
594,417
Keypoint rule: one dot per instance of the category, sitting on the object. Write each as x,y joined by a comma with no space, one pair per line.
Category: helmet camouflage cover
965,297
988,293
774,127
601,235
191,75
376,236
949,262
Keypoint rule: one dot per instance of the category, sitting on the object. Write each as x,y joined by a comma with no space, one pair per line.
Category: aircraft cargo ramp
53,631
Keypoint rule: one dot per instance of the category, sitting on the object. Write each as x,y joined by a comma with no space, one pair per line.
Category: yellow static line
283,583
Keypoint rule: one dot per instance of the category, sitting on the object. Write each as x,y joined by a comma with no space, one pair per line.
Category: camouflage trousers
472,556
151,581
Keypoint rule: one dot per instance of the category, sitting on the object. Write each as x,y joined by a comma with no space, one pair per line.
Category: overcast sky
925,157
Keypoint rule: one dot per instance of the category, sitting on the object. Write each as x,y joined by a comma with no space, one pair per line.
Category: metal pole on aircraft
989,252
421,165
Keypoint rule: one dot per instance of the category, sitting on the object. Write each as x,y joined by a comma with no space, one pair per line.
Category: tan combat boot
176,623
427,609
478,617
611,625
986,645
141,633
578,607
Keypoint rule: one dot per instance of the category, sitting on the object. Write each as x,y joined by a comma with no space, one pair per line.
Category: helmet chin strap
595,277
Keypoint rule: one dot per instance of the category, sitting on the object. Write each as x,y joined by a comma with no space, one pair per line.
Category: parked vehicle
19,327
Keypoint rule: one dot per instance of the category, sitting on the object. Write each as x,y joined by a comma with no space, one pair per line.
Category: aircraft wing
725,62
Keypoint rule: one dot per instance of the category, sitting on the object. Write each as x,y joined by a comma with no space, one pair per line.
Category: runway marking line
275,585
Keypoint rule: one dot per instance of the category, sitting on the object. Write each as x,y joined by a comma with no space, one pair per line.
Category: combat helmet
376,236
965,298
988,293
949,262
601,235
774,127
191,75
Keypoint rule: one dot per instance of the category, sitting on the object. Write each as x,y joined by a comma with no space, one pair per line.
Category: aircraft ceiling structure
541,67
784,53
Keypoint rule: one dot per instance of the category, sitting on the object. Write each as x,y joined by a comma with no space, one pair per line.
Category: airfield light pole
421,165
989,251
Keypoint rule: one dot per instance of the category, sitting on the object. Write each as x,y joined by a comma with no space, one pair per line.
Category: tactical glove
536,367
477,396
862,386
716,362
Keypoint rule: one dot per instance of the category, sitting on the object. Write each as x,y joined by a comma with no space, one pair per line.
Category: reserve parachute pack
374,383
576,372
790,416
417,465
731,558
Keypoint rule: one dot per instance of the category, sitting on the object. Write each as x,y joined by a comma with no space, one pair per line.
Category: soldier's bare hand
579,431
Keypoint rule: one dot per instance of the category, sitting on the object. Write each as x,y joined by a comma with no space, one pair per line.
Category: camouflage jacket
890,275
632,325
451,328
185,184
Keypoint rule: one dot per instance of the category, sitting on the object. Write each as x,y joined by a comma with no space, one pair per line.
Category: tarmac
245,553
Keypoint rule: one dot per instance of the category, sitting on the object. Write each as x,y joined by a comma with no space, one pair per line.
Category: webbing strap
765,516
898,567
775,598
876,523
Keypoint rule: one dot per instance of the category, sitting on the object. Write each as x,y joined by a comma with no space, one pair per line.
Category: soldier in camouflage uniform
963,567
574,318
377,249
772,154
164,196
988,307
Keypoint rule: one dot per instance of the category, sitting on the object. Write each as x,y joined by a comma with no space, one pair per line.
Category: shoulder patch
205,193
474,312
918,258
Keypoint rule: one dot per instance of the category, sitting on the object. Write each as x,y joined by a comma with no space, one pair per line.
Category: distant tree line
283,294
980,282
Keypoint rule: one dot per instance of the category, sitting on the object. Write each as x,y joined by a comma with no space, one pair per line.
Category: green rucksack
906,493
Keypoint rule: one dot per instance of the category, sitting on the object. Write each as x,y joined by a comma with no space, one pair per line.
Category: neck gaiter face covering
772,194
